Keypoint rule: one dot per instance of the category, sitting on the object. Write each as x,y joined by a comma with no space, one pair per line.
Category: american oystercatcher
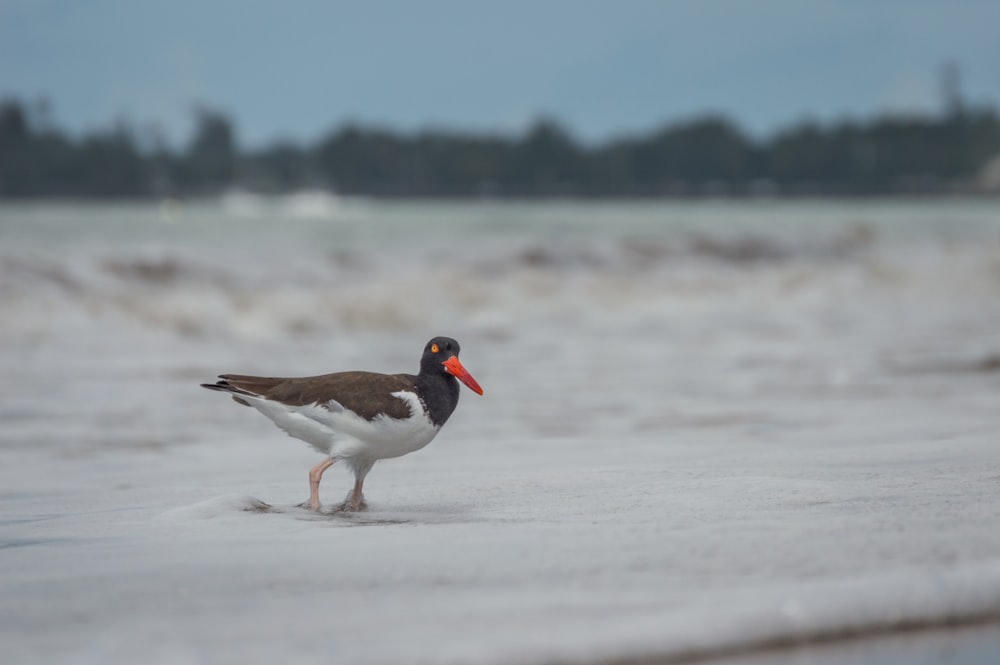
359,417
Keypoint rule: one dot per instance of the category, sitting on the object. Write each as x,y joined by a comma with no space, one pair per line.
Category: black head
441,357
440,348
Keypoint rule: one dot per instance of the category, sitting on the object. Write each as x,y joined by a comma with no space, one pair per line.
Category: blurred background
727,271
459,99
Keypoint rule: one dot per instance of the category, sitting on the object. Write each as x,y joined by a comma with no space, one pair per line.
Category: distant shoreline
707,156
958,194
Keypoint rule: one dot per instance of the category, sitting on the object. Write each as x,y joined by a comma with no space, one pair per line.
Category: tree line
709,155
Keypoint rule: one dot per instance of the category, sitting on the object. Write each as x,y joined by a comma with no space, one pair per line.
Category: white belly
341,433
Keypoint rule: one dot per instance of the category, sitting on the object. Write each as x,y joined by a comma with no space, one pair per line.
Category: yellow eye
434,348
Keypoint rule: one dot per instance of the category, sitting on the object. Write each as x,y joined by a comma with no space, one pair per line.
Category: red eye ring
434,348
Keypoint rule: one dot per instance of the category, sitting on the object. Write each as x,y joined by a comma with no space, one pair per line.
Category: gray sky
296,69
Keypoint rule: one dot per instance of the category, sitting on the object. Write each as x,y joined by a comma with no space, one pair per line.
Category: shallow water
706,425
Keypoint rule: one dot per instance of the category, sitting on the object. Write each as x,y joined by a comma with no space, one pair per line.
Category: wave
827,613
305,204
301,290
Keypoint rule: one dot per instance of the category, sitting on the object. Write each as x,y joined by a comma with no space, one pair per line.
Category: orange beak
453,367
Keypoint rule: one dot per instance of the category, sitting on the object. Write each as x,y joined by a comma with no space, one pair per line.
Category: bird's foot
354,503
316,506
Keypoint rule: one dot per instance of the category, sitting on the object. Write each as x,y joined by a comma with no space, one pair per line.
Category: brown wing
365,393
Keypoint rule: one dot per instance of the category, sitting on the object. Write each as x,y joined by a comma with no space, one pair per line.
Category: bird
358,417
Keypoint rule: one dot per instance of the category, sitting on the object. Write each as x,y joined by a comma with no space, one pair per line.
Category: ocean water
708,427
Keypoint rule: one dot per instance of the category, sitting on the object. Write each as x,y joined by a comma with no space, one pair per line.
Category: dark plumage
365,393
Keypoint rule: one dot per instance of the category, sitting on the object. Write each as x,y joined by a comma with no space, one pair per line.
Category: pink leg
315,474
357,501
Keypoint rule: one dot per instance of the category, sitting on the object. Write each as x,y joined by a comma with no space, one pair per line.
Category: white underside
340,433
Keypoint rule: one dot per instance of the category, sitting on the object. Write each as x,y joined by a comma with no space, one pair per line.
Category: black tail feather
226,387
